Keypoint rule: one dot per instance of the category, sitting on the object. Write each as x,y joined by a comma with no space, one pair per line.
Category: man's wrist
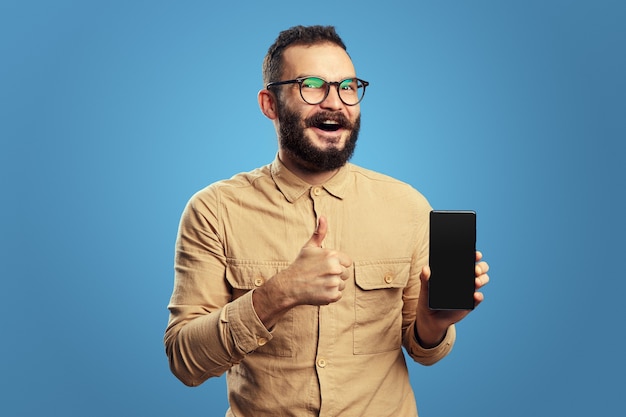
429,339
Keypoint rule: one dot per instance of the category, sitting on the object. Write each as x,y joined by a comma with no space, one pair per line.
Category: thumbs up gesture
316,277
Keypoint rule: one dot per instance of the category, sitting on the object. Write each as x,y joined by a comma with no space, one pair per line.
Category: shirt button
261,341
388,277
258,282
321,363
317,191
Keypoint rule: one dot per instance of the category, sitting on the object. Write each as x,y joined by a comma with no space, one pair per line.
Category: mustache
322,117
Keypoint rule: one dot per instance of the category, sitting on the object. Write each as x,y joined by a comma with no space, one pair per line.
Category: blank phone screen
452,260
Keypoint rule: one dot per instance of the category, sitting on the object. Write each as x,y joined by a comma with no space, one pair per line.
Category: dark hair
297,35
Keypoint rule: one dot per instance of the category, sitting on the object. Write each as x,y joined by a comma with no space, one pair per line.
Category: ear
267,103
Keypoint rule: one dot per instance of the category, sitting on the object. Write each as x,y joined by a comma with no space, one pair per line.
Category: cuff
247,329
435,354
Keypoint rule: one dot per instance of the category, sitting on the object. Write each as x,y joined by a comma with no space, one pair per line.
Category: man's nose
332,100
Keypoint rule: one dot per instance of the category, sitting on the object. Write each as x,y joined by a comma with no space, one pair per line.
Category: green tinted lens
349,84
350,91
313,82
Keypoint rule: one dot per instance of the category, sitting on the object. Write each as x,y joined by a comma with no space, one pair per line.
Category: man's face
319,137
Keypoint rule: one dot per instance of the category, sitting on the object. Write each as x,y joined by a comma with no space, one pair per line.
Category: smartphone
452,260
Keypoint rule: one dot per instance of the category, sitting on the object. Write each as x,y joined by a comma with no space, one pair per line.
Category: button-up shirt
343,359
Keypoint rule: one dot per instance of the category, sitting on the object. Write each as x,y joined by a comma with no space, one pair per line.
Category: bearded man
302,280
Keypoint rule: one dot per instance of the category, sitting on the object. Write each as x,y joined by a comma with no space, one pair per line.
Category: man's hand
431,325
316,277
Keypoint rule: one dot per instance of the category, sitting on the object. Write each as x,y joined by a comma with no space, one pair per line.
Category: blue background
112,114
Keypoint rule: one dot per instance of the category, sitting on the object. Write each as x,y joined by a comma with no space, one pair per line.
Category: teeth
331,122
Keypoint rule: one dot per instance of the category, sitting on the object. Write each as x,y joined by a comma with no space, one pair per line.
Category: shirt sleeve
209,330
433,355
411,294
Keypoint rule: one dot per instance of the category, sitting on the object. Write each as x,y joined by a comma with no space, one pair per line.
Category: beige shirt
344,359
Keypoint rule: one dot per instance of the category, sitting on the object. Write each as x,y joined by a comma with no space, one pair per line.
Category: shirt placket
327,329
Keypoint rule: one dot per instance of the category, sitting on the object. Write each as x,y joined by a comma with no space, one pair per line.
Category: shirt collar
292,187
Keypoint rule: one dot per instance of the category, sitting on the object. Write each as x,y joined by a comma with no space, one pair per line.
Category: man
304,278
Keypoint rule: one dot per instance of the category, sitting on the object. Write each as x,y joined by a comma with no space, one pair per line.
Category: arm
433,334
431,325
414,299
208,330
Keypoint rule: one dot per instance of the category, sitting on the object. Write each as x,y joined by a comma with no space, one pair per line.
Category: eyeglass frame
337,84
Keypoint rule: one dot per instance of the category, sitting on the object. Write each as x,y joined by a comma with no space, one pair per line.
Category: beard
294,141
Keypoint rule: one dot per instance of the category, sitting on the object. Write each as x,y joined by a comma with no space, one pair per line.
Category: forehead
327,60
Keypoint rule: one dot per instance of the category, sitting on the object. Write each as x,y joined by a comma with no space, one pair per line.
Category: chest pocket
378,305
244,276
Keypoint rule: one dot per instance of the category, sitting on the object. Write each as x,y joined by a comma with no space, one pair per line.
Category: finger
344,260
482,280
479,297
479,256
319,234
481,268
345,274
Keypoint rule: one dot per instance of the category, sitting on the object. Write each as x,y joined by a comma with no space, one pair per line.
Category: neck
310,176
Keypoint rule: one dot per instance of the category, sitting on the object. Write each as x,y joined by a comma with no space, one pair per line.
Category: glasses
314,90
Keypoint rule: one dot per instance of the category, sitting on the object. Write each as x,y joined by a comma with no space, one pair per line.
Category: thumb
425,275
319,234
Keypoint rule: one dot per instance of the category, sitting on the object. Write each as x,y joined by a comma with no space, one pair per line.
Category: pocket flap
390,273
249,274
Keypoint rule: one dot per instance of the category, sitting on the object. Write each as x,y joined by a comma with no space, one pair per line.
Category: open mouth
328,126
328,122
